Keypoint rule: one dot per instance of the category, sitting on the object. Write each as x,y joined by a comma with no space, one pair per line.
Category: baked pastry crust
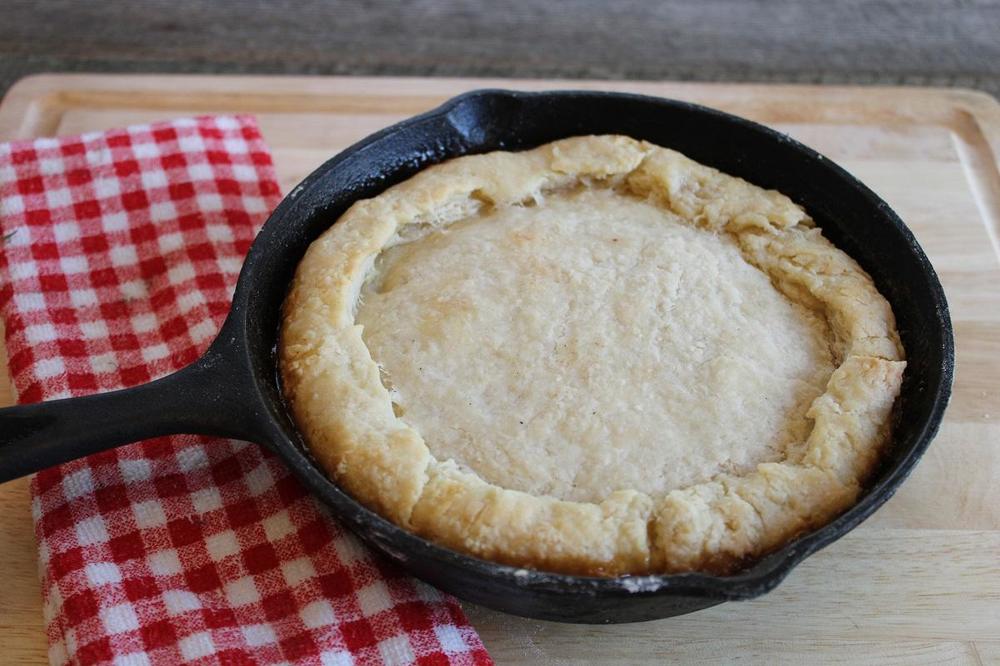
346,413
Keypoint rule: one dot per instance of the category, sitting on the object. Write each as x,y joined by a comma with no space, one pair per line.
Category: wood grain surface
919,582
922,42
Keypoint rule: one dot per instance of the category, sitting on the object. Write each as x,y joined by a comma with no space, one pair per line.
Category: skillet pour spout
234,391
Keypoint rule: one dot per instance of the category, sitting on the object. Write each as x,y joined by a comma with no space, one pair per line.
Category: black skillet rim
761,576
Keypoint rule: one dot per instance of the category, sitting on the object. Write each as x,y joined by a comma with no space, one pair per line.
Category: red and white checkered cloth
118,255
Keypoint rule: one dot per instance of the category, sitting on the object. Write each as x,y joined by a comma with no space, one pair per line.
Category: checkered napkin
118,258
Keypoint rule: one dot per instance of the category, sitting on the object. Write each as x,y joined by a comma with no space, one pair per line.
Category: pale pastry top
596,357
591,344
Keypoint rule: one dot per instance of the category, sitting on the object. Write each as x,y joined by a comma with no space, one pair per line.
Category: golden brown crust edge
346,414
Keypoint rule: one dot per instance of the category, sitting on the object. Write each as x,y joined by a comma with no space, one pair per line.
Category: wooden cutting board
918,583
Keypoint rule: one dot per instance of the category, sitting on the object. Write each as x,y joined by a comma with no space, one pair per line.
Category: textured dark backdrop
922,42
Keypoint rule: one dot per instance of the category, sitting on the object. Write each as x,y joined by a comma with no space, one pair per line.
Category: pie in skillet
595,357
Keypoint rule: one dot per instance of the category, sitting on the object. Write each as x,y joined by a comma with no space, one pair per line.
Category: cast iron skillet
233,389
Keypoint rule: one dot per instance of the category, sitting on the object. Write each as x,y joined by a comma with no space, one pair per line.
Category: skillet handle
212,396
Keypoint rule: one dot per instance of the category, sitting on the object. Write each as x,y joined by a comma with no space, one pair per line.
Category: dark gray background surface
918,42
